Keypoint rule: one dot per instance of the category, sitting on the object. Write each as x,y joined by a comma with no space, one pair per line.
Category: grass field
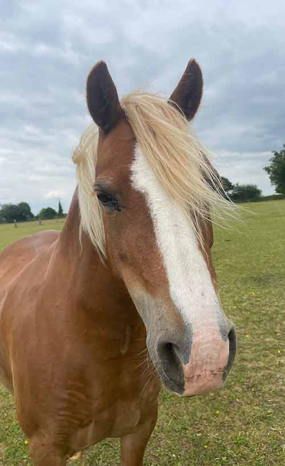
243,424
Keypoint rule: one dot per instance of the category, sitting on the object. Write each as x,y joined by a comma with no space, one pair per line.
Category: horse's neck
95,286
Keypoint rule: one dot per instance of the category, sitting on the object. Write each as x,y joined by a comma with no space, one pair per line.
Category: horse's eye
105,199
108,201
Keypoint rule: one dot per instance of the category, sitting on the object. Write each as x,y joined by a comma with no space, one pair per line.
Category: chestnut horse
92,318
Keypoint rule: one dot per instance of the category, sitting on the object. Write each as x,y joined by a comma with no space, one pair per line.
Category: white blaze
190,283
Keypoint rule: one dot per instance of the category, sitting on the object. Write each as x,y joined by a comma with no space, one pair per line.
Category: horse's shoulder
19,254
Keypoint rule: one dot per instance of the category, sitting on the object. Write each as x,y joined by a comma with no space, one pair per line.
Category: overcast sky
47,49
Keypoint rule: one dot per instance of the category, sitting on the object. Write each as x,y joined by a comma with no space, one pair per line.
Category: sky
48,48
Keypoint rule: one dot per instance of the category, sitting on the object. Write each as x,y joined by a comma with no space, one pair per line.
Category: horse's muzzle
198,368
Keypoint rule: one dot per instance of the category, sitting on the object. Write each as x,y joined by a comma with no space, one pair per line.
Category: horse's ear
102,97
188,93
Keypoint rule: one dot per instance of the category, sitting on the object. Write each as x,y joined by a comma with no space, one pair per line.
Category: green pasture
9,234
243,424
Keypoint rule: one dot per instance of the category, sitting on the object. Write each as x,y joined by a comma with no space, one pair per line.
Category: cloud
54,194
47,50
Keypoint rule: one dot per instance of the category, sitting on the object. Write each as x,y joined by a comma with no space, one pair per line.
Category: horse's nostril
170,360
168,353
232,351
233,343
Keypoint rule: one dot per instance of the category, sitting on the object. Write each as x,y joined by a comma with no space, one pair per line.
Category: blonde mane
178,159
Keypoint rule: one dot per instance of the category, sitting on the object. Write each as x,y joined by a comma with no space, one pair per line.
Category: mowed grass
243,424
9,234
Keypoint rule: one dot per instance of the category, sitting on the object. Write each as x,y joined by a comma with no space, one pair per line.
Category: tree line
240,192
22,213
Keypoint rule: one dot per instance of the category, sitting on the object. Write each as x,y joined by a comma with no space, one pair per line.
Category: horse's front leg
133,446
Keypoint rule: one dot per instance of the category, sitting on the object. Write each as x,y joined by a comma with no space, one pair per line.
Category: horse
93,319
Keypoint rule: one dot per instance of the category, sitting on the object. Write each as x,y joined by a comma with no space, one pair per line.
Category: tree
2,219
245,192
47,213
26,210
19,212
227,185
9,212
276,170
60,209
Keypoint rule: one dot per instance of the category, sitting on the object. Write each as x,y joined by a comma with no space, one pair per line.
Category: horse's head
154,196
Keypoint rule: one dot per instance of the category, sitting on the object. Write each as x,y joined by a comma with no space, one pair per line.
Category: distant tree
276,170
47,213
60,209
227,185
19,212
26,210
245,192
2,219
10,212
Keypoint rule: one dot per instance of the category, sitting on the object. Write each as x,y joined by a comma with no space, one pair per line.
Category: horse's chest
120,407
126,416
116,419
117,409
